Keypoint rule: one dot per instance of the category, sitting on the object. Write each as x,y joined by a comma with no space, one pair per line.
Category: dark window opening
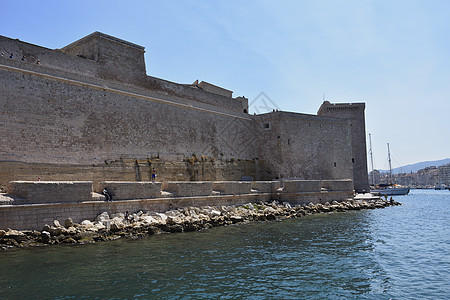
334,164
353,159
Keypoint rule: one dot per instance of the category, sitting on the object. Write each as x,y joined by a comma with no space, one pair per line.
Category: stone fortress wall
89,112
354,114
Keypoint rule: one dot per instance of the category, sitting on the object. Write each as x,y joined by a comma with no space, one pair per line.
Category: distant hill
417,166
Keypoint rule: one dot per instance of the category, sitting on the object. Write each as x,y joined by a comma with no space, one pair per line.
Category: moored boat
390,190
387,189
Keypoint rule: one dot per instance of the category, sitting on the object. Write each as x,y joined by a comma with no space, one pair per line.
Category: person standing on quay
107,195
153,175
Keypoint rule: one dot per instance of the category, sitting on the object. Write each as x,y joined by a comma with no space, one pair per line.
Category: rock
148,220
192,213
72,230
174,220
85,237
117,220
249,206
103,216
16,235
173,228
118,215
172,213
270,217
115,227
69,241
163,217
218,220
216,213
56,231
236,219
269,210
46,227
87,224
99,226
68,223
45,236
2,233
117,224
56,223
153,230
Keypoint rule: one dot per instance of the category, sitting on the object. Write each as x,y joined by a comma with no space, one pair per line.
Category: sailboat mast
371,158
390,166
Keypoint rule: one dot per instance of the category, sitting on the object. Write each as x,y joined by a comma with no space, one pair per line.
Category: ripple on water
398,252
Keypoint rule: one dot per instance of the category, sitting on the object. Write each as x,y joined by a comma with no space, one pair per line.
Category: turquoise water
398,252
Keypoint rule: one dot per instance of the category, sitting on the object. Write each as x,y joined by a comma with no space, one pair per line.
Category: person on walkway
153,175
107,195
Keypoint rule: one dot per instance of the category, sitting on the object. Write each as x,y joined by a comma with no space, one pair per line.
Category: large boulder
68,223
45,236
174,220
102,217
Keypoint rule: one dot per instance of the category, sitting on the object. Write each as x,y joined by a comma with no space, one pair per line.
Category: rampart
89,112
42,202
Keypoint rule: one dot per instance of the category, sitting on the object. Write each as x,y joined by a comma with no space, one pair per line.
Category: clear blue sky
394,55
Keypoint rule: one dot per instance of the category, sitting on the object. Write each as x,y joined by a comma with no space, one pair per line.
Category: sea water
400,252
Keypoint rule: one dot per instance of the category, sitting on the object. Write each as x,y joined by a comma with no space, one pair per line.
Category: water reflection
358,254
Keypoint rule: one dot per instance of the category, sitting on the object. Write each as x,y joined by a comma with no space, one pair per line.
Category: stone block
188,188
51,191
338,185
265,186
301,186
125,190
232,187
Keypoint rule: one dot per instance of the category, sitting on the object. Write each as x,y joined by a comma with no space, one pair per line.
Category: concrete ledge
124,190
232,187
188,188
315,197
338,185
51,191
297,186
265,186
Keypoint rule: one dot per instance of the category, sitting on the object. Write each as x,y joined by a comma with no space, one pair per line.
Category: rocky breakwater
110,227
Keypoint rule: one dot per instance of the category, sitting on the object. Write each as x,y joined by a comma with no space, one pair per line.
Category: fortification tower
355,113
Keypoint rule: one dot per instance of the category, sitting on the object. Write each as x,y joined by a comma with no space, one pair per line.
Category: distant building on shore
428,177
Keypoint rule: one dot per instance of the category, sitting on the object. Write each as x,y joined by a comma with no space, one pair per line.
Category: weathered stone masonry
88,111
36,203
